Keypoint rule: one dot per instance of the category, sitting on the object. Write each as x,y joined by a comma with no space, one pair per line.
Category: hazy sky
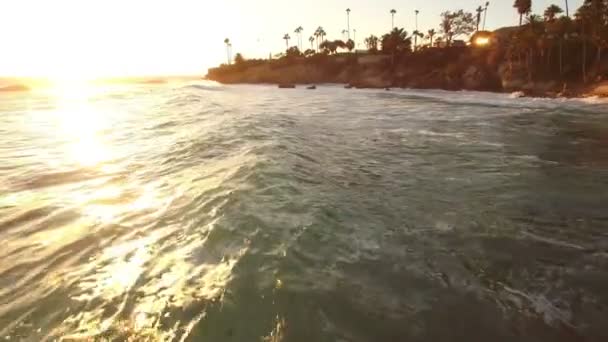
72,38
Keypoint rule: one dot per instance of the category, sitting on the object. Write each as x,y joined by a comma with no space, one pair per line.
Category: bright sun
69,40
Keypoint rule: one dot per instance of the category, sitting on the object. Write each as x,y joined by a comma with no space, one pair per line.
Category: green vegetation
545,55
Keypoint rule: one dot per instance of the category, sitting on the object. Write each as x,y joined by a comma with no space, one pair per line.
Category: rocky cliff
456,68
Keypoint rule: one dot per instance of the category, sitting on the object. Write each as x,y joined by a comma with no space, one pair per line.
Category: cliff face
455,68
296,73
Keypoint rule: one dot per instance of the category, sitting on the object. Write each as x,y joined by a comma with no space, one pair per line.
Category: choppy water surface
246,213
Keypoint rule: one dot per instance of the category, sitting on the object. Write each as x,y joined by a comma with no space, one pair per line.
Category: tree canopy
371,43
238,58
293,52
455,24
396,41
332,46
524,7
552,11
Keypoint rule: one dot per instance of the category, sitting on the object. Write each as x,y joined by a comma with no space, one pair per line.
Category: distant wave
477,98
517,95
594,100
212,86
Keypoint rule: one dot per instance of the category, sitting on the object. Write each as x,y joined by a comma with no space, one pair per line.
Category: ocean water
201,212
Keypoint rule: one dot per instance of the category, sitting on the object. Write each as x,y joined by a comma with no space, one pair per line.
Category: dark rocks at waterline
287,86
312,87
373,82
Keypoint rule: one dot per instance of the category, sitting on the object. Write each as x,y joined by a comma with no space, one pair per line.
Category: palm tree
534,20
523,7
228,45
287,38
538,40
549,34
591,18
479,10
416,34
311,40
393,12
552,11
320,33
298,32
485,15
567,11
431,34
372,43
522,45
560,28
348,22
396,42
583,15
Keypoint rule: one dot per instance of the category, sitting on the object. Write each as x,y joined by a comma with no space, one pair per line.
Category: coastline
456,69
589,93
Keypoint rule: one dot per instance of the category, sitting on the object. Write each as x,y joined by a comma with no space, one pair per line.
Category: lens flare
482,41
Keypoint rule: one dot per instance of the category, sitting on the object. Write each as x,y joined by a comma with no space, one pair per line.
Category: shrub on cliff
239,59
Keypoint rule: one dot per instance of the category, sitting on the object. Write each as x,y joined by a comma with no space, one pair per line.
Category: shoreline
515,93
450,68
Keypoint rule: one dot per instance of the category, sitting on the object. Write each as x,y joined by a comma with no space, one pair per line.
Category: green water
248,213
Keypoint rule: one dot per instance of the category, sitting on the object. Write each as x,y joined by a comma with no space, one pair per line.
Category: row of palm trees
523,8
416,34
372,42
320,34
554,43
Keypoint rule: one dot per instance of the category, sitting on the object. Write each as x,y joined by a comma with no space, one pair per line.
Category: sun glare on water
79,121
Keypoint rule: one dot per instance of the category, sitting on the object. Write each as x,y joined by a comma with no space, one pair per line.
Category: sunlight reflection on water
81,124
